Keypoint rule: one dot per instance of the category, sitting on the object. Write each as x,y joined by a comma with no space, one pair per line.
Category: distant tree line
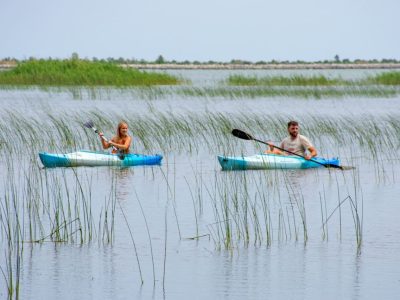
161,60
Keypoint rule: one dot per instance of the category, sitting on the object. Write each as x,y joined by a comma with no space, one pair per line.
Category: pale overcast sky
201,30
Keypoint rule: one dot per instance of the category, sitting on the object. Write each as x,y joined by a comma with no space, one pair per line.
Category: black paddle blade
241,134
332,166
89,124
343,168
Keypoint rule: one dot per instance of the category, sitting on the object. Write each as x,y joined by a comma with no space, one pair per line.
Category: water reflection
191,190
123,179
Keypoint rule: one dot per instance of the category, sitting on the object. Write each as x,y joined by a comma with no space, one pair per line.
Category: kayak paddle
245,136
89,124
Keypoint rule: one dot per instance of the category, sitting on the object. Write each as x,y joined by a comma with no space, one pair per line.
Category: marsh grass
39,206
149,236
262,208
39,212
243,215
58,206
301,86
157,92
76,72
259,208
248,208
385,78
59,209
306,92
295,80
159,132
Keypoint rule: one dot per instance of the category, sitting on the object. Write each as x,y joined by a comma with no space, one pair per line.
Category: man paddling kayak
122,141
295,143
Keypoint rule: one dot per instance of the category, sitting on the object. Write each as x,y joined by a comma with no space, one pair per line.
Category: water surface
189,196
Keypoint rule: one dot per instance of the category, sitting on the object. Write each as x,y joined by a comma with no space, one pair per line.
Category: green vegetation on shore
300,80
386,78
75,72
160,60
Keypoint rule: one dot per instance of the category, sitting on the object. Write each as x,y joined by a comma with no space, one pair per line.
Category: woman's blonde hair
120,124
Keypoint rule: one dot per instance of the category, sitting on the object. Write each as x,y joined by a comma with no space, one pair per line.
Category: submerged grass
75,72
164,132
297,80
257,208
386,78
310,92
316,86
105,81
254,208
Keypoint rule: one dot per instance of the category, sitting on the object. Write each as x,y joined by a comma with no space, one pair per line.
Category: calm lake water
186,228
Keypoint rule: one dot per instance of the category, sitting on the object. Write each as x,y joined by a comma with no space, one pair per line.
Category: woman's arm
124,146
105,144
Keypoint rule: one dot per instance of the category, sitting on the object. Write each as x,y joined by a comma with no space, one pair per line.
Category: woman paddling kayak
120,144
122,141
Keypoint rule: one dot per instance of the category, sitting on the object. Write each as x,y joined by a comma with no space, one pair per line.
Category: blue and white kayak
94,159
272,161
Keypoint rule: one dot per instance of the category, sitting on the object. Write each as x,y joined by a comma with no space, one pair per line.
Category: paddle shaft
245,136
102,136
120,155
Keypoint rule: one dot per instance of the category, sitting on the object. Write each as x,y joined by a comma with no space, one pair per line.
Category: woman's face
123,130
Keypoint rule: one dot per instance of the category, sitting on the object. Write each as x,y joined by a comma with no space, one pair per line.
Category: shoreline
230,66
294,66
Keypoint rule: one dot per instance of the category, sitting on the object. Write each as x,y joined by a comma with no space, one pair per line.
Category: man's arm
313,153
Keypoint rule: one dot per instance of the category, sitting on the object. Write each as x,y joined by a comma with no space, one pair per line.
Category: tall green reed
76,72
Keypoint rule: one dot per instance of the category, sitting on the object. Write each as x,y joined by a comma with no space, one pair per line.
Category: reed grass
387,78
248,209
294,80
41,205
308,92
301,86
149,236
159,132
76,72
157,92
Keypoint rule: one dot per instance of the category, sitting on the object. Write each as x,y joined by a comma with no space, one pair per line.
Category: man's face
293,130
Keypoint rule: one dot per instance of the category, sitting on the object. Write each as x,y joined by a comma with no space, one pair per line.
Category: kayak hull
95,159
272,161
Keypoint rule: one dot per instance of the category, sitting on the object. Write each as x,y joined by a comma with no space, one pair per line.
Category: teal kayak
272,161
94,159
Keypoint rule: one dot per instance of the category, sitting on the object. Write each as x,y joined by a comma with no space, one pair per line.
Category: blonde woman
120,142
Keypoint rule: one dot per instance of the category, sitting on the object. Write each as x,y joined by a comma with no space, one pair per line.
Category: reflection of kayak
92,159
272,161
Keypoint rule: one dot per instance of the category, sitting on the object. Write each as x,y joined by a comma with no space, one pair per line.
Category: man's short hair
292,123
